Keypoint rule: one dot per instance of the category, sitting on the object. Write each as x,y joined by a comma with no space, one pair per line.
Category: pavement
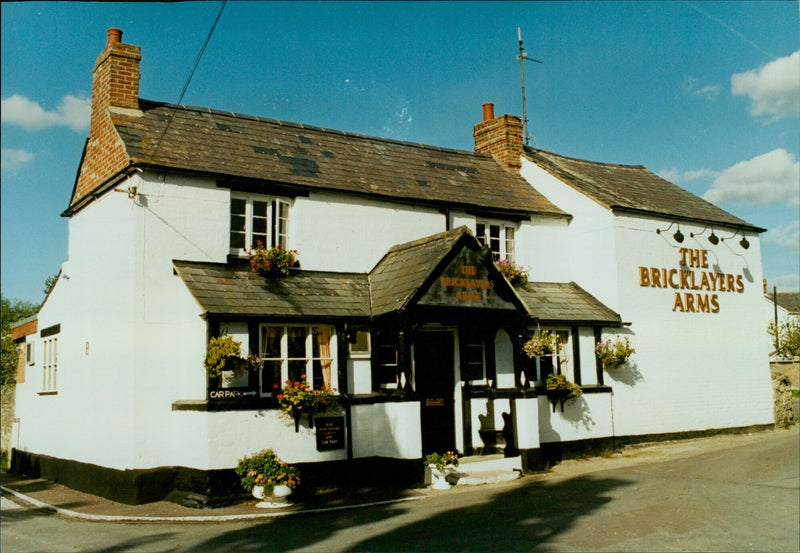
19,492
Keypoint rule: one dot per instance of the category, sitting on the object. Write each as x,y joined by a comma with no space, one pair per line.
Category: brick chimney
501,137
115,88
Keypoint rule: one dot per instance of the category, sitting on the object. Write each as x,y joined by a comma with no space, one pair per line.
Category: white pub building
396,303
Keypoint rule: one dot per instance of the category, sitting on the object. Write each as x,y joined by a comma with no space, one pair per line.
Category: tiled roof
230,145
632,188
790,301
552,302
225,289
405,267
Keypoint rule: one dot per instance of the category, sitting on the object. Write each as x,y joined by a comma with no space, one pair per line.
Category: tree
49,283
11,312
786,337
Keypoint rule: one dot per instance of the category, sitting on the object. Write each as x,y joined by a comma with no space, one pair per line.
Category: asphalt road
742,495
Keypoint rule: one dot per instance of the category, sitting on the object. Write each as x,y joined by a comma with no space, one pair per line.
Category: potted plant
223,357
265,475
613,354
540,344
560,390
514,273
440,465
297,399
272,262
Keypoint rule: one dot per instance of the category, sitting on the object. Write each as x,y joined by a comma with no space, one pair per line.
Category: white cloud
787,236
676,177
785,283
769,178
13,159
774,88
73,112
710,92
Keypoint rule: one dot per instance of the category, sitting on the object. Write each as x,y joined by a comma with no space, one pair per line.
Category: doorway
435,382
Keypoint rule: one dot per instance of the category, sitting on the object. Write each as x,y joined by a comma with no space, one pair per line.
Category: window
50,365
359,344
386,359
498,236
289,352
473,356
256,220
29,349
537,368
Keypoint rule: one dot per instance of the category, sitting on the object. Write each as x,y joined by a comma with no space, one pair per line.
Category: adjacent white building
396,304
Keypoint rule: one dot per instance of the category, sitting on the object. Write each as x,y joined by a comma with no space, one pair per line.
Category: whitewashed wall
387,430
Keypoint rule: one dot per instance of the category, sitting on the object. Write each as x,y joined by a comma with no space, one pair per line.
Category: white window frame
309,358
277,222
29,353
50,364
361,353
505,241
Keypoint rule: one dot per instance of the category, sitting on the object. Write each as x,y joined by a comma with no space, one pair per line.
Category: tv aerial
522,57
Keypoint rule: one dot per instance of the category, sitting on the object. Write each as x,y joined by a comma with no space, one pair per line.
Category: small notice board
330,433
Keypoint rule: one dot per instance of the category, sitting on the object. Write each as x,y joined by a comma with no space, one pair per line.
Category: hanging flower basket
542,343
223,353
298,399
560,390
272,262
613,354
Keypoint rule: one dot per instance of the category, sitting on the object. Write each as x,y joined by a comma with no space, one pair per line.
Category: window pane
271,342
297,342
238,206
510,243
297,369
322,373
361,344
321,342
283,225
480,232
270,377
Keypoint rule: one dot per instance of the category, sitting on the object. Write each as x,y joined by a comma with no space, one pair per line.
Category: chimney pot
114,37
488,111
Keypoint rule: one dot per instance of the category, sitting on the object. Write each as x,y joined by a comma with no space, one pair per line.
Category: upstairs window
50,364
256,219
498,236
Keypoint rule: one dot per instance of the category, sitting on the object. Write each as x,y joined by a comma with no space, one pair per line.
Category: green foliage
266,469
11,311
49,283
272,263
614,354
514,273
786,338
543,343
4,460
441,460
221,353
558,384
297,398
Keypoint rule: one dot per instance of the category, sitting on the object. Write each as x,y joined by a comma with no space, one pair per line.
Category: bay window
290,351
258,219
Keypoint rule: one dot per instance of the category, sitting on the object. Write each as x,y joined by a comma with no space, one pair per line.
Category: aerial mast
521,57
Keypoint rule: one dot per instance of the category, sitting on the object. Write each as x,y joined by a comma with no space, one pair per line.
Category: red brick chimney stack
501,137
115,87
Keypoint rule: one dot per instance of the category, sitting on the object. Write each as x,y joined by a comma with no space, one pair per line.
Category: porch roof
565,302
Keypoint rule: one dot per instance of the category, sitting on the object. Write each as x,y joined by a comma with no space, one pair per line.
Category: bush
266,469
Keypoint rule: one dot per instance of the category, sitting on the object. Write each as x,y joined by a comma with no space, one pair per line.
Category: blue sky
705,94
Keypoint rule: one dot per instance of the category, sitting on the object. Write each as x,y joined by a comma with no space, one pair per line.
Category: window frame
505,239
50,364
562,360
276,224
285,359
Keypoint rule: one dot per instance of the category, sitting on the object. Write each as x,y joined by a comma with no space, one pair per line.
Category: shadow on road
522,518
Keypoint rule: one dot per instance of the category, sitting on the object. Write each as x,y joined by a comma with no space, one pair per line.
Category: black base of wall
208,488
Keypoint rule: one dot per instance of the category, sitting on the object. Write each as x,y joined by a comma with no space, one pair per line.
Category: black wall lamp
744,242
713,238
678,236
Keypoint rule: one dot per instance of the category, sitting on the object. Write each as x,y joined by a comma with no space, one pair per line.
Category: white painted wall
387,430
587,417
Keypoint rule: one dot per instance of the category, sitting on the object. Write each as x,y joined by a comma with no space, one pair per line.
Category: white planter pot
278,499
258,492
438,481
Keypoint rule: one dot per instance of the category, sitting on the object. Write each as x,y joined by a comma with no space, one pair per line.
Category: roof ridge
607,164
458,231
282,123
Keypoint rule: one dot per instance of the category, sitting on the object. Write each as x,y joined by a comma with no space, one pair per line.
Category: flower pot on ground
440,465
272,262
266,476
613,354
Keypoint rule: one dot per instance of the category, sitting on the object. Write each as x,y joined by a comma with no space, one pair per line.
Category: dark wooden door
435,382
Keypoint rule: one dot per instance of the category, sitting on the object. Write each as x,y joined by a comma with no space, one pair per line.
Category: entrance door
435,379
